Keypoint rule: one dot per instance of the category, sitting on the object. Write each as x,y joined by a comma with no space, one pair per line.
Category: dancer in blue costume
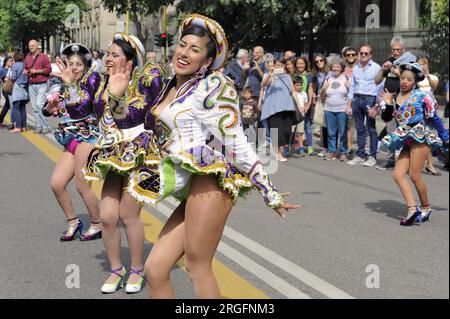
419,131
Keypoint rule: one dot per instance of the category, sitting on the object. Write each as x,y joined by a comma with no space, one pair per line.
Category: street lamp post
127,21
165,32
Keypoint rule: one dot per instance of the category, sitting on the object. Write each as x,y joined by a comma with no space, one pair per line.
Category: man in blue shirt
362,104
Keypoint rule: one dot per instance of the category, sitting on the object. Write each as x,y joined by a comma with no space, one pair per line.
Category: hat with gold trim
216,30
135,43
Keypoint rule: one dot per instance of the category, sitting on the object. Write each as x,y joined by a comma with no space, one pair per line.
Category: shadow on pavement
393,209
124,256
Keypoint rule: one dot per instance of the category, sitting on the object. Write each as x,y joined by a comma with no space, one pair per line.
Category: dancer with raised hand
77,131
419,130
129,92
197,102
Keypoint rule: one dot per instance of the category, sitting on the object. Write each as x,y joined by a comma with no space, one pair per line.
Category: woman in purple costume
77,131
128,93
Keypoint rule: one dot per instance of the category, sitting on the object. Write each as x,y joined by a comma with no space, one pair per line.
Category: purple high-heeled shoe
409,221
70,233
91,235
424,217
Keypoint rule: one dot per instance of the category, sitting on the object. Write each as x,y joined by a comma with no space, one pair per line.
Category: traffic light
158,41
170,39
163,39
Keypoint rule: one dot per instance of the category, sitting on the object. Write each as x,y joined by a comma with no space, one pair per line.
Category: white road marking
257,270
289,267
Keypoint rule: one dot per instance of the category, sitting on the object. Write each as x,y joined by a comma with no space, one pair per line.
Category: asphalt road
345,241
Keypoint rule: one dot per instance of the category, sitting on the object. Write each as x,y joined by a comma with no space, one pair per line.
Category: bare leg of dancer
164,254
419,154
402,167
130,216
84,187
109,213
197,235
207,210
61,176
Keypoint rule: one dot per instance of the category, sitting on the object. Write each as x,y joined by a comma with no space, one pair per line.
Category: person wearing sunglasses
351,59
321,71
362,105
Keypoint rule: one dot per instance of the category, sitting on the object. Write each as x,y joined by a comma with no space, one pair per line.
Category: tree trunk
311,46
146,38
137,23
48,43
42,40
311,33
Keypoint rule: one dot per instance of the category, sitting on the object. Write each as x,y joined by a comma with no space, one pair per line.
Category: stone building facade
97,26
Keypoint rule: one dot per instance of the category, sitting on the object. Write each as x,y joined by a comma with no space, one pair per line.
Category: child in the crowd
249,111
299,129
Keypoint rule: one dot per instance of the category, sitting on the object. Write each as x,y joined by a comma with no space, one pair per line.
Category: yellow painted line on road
231,284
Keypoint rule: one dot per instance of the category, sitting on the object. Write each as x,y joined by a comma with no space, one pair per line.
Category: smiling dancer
196,103
129,92
419,130
77,131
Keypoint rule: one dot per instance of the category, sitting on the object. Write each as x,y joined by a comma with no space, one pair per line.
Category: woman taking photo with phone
278,105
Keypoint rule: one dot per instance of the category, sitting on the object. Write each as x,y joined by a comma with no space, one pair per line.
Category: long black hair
128,50
6,61
200,32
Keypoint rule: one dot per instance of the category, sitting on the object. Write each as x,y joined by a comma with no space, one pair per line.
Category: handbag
299,117
319,113
8,86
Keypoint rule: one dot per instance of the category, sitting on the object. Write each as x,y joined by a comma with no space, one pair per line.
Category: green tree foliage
38,19
435,37
5,20
276,24
138,10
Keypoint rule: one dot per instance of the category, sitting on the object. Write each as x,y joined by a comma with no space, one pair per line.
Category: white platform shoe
137,287
111,288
